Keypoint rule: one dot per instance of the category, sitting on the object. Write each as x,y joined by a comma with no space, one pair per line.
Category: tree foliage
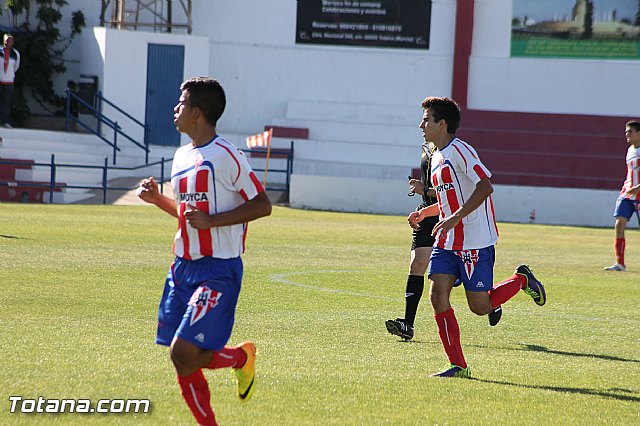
41,45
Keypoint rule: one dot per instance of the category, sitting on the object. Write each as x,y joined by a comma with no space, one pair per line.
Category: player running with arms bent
215,194
465,234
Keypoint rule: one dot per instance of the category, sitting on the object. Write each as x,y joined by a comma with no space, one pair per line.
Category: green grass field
80,288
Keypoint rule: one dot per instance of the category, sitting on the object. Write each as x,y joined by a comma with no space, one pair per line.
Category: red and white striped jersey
455,171
633,171
215,178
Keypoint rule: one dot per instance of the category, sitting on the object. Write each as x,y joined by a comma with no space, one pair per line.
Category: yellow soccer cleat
246,375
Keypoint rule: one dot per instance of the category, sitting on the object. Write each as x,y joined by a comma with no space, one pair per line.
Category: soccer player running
465,233
215,194
629,197
421,243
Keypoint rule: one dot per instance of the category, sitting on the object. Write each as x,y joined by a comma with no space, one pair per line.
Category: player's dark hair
444,108
634,124
208,95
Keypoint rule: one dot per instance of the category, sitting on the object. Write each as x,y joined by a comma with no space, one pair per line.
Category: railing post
67,109
115,142
52,178
162,175
104,180
289,166
97,98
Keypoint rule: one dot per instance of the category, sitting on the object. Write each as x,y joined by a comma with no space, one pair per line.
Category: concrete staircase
355,140
79,159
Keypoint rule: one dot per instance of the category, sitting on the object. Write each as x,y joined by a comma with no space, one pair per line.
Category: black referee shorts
422,236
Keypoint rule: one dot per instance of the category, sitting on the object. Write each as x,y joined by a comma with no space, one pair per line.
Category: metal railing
54,186
73,97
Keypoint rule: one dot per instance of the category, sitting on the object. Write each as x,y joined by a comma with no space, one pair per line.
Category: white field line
284,279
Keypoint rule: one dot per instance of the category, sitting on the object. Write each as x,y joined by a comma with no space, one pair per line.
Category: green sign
576,29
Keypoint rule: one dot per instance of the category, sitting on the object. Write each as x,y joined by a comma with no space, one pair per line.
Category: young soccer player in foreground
465,234
215,194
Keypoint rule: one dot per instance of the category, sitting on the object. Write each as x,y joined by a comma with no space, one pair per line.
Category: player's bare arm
479,195
416,217
253,209
148,192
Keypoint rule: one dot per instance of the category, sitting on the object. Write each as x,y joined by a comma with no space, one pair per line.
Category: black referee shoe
399,327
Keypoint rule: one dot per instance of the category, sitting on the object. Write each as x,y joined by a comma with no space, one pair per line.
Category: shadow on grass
538,348
613,393
11,236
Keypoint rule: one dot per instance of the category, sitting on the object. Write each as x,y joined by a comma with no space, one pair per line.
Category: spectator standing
10,65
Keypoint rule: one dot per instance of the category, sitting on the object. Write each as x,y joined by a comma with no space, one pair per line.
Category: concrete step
370,134
358,153
402,115
70,196
351,170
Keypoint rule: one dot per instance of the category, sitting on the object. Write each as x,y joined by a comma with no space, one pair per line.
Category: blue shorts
625,208
473,267
199,302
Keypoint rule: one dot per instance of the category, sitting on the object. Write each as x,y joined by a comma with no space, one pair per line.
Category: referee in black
421,245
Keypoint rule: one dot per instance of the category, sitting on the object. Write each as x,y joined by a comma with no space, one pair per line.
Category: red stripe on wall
462,51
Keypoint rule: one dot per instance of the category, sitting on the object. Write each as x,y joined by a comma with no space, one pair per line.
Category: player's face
183,116
430,128
633,137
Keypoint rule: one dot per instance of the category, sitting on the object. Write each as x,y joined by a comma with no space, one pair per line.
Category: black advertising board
383,23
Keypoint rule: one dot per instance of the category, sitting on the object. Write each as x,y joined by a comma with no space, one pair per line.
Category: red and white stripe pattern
455,171
262,140
214,178
633,171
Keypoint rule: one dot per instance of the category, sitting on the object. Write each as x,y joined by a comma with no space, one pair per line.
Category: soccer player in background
215,194
465,233
629,197
421,243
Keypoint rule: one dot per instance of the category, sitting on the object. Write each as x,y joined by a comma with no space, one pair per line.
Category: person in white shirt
465,234
8,69
215,194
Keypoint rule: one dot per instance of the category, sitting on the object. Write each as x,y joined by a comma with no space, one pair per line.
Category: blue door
165,72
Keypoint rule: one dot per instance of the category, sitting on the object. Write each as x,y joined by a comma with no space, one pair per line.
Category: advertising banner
382,23
582,29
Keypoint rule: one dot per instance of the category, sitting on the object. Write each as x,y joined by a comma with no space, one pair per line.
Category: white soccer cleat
616,267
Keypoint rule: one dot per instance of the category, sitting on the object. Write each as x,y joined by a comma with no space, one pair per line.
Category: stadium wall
119,60
519,204
508,105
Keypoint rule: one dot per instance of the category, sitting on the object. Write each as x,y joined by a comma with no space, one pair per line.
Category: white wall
254,55
361,105
589,207
122,55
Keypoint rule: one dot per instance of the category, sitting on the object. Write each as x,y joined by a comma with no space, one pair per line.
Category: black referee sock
415,286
